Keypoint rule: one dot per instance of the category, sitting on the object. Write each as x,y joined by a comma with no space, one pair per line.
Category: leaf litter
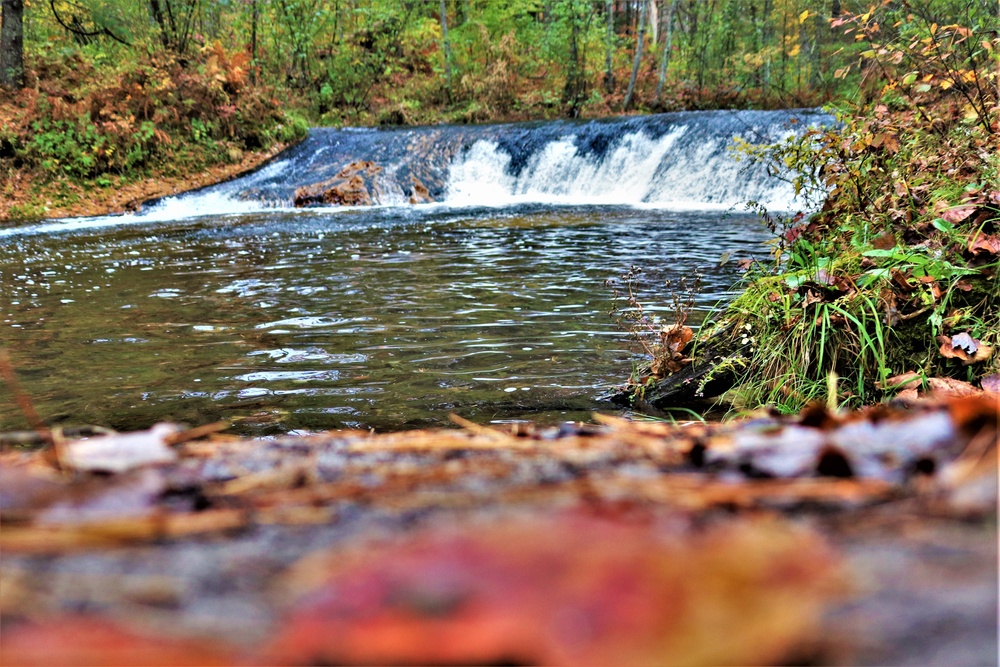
623,541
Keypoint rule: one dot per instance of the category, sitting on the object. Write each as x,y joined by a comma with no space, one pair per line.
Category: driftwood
705,377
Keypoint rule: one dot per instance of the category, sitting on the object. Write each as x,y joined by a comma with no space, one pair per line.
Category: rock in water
357,184
420,194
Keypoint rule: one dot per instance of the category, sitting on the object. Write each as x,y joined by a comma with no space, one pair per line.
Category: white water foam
558,173
638,170
212,202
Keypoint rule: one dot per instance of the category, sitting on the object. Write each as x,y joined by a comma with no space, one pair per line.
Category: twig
197,432
22,399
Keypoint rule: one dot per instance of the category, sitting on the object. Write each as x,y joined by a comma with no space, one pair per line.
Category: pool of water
385,319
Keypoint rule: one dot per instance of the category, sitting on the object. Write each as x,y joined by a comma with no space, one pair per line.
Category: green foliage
906,249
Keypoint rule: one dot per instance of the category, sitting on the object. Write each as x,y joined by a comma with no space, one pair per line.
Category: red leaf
958,213
81,640
569,591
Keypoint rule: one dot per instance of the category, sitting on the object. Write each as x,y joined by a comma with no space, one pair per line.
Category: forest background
111,93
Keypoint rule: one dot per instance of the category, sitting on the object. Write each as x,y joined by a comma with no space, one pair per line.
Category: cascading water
227,303
671,161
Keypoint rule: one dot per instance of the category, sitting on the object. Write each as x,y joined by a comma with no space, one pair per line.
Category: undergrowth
156,114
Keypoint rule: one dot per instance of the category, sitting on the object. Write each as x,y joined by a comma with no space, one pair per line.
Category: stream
490,303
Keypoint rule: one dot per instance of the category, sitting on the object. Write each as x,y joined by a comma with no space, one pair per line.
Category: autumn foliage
158,113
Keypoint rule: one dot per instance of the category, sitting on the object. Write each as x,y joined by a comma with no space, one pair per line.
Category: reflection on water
384,318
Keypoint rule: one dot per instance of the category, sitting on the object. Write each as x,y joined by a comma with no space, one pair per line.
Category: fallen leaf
674,338
965,342
984,244
965,348
71,641
958,213
902,381
561,590
950,387
991,383
122,451
886,241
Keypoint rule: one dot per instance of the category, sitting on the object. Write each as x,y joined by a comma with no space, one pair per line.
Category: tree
12,44
175,20
578,15
638,56
665,62
609,46
447,48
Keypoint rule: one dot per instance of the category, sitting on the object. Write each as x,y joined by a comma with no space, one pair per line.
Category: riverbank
27,193
892,287
88,138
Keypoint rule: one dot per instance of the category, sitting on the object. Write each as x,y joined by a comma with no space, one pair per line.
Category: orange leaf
562,590
965,348
83,640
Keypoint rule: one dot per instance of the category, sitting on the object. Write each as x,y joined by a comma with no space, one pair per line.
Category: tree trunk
654,22
609,43
254,18
575,89
12,44
638,57
447,49
667,44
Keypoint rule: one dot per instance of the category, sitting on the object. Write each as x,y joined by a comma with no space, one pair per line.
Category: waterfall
681,160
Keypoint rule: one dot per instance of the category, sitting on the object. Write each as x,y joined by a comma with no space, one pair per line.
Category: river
490,303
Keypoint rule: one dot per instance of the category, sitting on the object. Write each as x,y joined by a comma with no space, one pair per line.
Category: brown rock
420,194
357,184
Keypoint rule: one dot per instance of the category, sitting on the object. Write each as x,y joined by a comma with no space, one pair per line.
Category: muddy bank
866,538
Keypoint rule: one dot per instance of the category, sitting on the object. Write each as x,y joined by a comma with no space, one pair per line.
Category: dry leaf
908,380
950,387
563,590
122,451
991,383
71,641
984,244
965,348
958,213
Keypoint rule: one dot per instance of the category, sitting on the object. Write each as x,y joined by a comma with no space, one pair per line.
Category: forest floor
860,538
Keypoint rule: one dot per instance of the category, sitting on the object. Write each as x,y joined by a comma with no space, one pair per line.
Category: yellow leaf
804,15
934,28
794,51
945,85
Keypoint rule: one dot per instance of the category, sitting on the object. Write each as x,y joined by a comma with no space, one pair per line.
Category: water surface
385,318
